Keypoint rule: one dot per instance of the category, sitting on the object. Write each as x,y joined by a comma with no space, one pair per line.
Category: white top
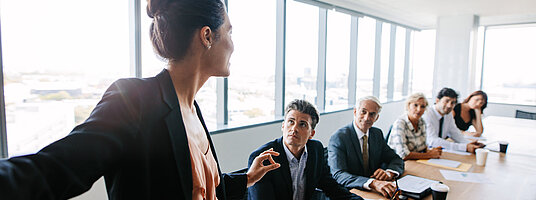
431,117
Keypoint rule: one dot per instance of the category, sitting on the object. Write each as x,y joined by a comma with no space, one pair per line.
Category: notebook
415,187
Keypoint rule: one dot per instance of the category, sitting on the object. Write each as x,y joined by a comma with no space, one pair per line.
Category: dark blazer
134,137
277,184
346,160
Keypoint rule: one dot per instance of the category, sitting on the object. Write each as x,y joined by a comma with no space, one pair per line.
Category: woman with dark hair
469,112
147,136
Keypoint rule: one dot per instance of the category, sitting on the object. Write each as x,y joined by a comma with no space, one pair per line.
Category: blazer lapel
355,142
219,190
310,169
374,149
177,133
285,169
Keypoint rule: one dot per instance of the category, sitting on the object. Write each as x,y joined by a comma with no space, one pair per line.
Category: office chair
525,115
388,134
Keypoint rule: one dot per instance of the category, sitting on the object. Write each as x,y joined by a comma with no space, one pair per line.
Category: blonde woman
408,135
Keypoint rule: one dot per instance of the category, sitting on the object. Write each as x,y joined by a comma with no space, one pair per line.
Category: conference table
512,175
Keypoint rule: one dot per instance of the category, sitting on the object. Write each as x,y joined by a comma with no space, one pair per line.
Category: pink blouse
204,171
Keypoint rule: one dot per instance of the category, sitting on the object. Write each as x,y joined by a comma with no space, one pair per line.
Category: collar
290,156
360,133
435,112
408,122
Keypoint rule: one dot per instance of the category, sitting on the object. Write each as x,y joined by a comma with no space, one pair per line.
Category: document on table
445,162
414,184
475,138
457,152
465,176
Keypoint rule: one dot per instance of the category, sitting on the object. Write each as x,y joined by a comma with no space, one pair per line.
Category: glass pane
509,65
252,80
365,55
337,60
422,62
384,63
301,60
152,64
400,55
72,62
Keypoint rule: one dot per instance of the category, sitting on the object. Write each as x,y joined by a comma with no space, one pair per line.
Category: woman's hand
258,170
435,152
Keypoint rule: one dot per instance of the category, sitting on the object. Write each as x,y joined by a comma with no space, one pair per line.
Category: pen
431,147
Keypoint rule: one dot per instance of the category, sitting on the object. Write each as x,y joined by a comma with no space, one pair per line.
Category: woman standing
469,112
408,135
147,137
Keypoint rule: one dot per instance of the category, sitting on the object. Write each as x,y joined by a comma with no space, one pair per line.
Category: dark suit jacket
346,160
277,184
134,137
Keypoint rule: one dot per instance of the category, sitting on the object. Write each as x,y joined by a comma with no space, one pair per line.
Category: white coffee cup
481,156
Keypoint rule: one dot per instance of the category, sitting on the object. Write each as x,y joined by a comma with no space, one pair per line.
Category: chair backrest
388,134
525,115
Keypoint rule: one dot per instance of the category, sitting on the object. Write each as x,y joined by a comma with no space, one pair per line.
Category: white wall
454,53
506,110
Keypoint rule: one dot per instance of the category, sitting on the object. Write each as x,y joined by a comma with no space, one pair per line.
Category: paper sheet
457,152
463,167
465,176
414,184
475,138
445,162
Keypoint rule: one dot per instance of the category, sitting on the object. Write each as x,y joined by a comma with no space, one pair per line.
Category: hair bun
156,6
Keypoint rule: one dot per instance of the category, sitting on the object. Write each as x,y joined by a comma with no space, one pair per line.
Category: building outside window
58,58
337,60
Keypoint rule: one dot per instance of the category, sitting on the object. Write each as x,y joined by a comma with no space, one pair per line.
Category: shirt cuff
367,184
394,172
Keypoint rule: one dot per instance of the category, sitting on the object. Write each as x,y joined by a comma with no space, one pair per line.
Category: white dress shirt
431,118
297,172
360,135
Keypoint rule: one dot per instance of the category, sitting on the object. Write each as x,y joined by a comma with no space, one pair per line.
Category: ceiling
423,14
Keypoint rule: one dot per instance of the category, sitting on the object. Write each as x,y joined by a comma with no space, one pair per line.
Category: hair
415,97
372,98
447,92
476,93
304,106
176,21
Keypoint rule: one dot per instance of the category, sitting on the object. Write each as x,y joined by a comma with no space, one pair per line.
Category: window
509,65
56,68
301,60
365,55
337,60
400,57
384,70
151,62
422,62
252,80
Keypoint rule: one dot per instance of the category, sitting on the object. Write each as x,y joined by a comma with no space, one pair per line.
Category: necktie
365,155
441,127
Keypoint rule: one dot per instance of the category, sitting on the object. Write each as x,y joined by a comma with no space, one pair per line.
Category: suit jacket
135,138
346,159
277,184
